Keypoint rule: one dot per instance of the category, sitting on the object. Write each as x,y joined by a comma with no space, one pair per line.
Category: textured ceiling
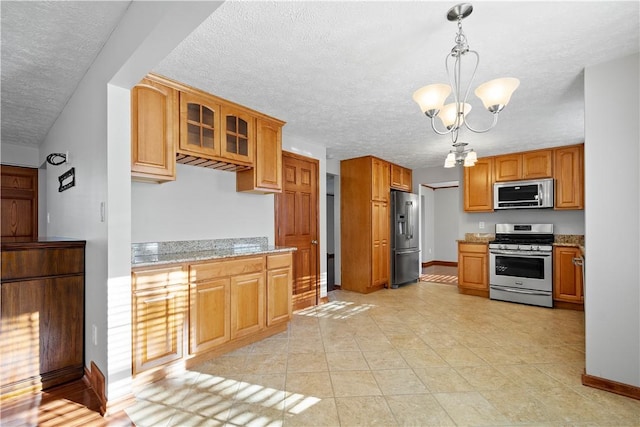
47,48
341,74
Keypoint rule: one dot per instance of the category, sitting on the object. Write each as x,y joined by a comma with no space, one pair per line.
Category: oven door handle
521,253
520,291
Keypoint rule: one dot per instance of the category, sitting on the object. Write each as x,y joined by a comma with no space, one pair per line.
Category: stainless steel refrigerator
405,254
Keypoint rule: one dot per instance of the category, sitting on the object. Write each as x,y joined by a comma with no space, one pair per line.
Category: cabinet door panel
237,134
569,173
508,168
199,125
154,131
380,239
279,293
247,304
209,314
473,266
159,319
537,164
478,186
567,280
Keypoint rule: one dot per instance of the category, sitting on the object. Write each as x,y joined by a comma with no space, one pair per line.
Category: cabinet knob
314,242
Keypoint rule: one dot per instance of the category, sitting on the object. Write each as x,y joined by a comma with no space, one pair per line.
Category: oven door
520,269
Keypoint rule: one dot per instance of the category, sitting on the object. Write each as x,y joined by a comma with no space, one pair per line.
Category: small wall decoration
67,180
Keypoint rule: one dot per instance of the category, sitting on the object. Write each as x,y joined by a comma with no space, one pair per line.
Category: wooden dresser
42,314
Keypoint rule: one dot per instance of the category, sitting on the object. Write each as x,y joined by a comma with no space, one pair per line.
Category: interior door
19,204
297,225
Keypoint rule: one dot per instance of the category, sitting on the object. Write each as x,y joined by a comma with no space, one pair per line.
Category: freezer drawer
405,267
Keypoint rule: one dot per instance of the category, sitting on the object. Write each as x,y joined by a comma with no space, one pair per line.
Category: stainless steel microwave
532,194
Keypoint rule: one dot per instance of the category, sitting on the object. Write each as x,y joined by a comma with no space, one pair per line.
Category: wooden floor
72,404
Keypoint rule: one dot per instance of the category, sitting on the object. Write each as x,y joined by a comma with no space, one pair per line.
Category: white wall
427,224
612,222
200,204
94,127
19,155
446,206
564,222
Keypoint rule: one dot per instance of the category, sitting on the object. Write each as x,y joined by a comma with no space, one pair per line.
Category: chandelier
494,94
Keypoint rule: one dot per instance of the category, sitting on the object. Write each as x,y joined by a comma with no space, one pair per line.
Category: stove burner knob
535,248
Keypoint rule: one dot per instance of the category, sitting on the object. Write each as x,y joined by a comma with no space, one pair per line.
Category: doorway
297,226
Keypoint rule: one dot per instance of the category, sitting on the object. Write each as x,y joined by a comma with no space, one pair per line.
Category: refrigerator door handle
409,206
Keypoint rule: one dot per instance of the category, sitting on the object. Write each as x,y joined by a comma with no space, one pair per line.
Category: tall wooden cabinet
364,231
41,315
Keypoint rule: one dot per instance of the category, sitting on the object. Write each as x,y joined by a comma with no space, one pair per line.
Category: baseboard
444,263
611,386
324,300
95,379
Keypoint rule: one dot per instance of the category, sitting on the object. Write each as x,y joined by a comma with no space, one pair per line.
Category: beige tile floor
420,355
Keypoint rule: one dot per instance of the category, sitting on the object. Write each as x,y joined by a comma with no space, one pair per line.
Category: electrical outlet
481,225
94,335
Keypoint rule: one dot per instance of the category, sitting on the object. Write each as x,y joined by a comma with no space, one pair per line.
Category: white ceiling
341,74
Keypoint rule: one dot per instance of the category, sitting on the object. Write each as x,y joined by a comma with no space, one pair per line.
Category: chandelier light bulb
449,113
496,94
431,98
450,161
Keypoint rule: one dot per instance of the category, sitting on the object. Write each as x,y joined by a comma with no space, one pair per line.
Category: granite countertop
159,253
477,238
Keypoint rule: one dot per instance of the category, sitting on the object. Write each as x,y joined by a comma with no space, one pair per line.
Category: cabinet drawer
473,247
157,277
278,261
32,263
210,270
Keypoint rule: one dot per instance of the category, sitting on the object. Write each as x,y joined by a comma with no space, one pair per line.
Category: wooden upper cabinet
154,131
478,186
400,178
508,167
199,125
379,180
569,174
266,175
529,165
238,135
537,164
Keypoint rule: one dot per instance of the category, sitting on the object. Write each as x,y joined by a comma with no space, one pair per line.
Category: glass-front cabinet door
238,135
199,125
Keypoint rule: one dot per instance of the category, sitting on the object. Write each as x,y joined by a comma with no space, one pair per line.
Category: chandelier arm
466,95
439,132
495,121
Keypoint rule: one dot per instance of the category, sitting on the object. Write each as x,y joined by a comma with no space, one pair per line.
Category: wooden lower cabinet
185,311
159,316
279,289
247,304
567,278
473,269
209,303
41,315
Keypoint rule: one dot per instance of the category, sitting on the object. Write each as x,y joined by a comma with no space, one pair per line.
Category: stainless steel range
520,264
